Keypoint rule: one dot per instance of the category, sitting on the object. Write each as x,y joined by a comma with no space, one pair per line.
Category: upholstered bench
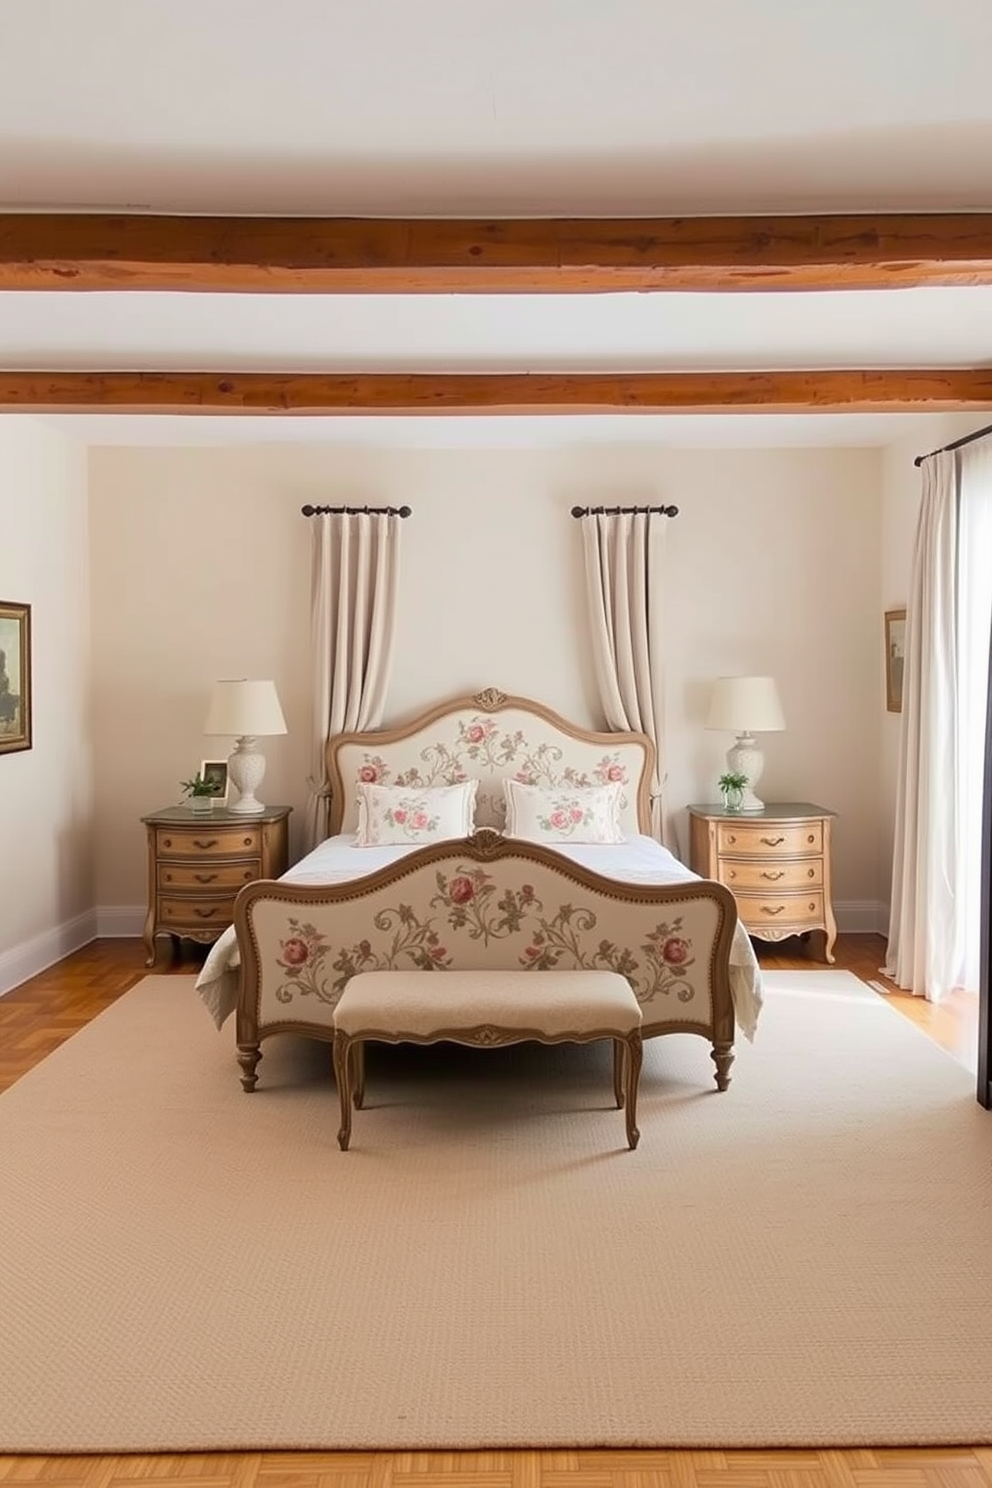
485,1009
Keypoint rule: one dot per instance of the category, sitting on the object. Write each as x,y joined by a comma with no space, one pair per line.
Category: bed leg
618,1062
248,1057
634,1053
342,1073
722,1056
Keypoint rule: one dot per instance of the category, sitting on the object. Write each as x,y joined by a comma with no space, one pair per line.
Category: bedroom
158,557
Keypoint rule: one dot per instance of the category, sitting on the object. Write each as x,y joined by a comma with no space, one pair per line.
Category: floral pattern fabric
401,815
511,914
590,814
491,749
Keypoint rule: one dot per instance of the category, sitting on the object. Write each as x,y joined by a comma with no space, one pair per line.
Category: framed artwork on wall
895,658
15,677
215,773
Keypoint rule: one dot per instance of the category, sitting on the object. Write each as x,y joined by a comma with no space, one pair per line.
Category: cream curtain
924,952
354,578
622,577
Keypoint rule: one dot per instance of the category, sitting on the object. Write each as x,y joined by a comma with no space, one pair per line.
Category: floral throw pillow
390,815
563,813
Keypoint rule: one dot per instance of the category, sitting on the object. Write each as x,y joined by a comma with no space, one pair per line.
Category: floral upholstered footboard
484,903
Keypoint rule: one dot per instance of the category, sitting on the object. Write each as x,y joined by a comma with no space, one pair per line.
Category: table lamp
245,709
748,705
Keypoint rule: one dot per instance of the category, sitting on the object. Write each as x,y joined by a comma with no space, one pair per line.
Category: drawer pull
204,914
766,873
777,910
773,841
204,877
204,846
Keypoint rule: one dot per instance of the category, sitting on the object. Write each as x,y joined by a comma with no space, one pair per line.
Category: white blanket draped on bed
639,859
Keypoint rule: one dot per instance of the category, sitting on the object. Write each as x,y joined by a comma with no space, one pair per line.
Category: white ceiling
528,107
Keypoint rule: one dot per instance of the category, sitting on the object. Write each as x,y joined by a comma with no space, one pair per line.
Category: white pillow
394,814
563,813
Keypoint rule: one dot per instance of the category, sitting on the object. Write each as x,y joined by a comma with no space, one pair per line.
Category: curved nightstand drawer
207,841
771,876
208,875
769,839
197,914
798,910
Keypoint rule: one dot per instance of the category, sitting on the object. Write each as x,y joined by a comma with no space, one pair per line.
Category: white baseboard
861,916
120,921
33,956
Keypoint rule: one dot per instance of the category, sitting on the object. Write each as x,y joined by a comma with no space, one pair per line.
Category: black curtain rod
354,511
623,511
955,444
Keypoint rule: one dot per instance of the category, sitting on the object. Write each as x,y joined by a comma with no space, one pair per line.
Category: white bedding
639,859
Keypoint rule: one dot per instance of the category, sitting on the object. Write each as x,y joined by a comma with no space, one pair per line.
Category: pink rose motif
475,733
675,950
559,820
525,777
461,890
438,953
369,774
399,815
576,813
295,952
615,772
419,821
532,951
527,892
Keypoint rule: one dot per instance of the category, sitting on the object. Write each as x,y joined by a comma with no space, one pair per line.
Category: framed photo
895,658
15,677
215,771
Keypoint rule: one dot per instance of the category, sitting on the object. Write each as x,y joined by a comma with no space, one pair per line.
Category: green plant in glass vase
200,793
732,787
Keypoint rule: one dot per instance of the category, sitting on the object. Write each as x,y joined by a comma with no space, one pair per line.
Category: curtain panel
622,597
354,579
924,950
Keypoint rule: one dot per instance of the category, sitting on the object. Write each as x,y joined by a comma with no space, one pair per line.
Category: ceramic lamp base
745,758
246,767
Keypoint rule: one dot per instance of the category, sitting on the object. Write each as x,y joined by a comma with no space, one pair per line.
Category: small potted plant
732,787
200,793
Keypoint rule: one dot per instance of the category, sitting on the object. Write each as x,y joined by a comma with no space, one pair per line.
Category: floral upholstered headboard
491,737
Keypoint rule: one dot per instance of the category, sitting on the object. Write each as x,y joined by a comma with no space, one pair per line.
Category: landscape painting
15,677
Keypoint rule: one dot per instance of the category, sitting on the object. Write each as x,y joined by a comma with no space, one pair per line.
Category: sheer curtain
924,950
354,576
934,929
622,597
974,626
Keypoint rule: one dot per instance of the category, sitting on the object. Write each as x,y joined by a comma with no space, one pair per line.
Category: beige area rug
805,1260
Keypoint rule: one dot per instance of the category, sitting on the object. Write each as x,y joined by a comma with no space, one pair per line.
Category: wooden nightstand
775,862
197,864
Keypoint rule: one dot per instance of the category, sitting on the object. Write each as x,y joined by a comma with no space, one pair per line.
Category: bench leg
634,1054
358,1065
619,1051
342,1073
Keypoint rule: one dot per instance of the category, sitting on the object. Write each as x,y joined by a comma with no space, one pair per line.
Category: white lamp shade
243,707
746,705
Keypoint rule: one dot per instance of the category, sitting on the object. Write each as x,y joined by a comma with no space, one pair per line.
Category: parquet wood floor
36,1017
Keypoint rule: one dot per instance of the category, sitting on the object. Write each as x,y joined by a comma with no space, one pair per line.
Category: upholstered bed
484,899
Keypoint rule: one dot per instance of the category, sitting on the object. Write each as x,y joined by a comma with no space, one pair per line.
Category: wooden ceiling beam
275,255
314,394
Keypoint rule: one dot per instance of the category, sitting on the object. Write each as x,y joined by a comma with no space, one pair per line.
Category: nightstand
775,862
197,864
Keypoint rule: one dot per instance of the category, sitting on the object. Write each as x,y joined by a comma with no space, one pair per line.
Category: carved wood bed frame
485,901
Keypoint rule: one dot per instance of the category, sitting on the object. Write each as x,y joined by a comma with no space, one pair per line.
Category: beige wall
200,569
46,885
